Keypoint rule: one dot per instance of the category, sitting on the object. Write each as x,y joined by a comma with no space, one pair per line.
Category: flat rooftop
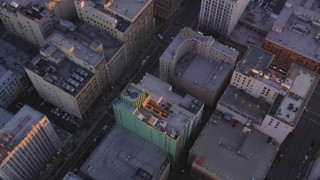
298,31
17,128
229,153
188,34
245,36
308,4
175,107
75,47
255,63
204,72
13,58
127,9
123,155
5,117
244,104
88,34
258,17
64,75
302,83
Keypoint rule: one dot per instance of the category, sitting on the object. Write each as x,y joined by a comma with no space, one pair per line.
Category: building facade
34,20
187,54
165,8
28,142
295,37
221,15
152,111
131,23
68,74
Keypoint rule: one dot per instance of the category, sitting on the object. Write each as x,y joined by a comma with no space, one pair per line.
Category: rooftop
66,75
233,152
246,36
188,34
32,9
127,9
175,110
244,104
202,71
258,17
123,155
5,117
12,58
17,128
255,63
301,82
77,48
89,35
299,31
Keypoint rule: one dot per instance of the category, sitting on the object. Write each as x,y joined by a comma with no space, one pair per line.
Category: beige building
261,98
130,22
34,20
13,78
166,8
221,15
28,142
68,73
197,64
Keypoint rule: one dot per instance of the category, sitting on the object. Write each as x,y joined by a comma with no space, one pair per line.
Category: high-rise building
13,78
162,117
69,73
198,65
166,8
271,103
221,15
130,22
28,142
125,155
295,37
34,20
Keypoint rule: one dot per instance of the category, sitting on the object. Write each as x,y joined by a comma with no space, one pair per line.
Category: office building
221,15
225,150
162,117
5,117
295,36
28,142
130,22
314,172
197,64
68,73
124,155
13,78
34,20
269,102
166,8
71,176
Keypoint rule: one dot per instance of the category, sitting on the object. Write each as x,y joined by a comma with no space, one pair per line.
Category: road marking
312,120
314,113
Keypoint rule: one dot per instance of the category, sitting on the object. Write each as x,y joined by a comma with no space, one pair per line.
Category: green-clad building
152,111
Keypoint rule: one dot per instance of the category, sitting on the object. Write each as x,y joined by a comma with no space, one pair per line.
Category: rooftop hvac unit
73,82
82,72
77,77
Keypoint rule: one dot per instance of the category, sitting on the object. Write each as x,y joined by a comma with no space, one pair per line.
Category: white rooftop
161,91
229,153
123,155
301,82
298,27
79,49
